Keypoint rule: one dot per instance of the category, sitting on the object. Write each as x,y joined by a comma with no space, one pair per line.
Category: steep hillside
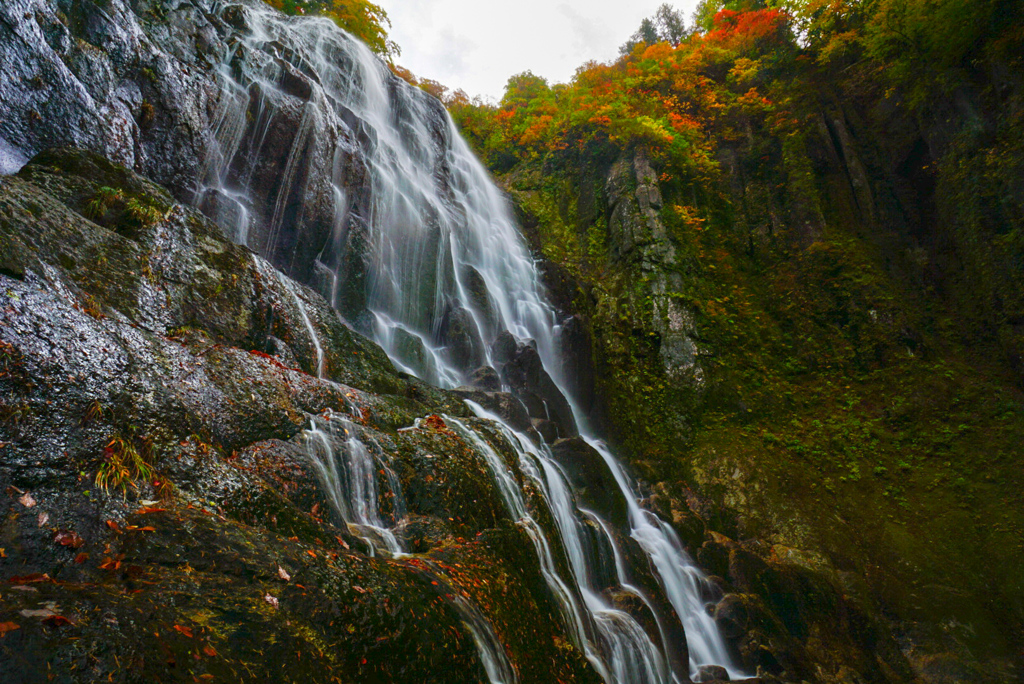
795,244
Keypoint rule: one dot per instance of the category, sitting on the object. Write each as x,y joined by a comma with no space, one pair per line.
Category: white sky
477,44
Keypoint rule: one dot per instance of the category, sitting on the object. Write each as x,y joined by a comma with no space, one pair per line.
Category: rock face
640,240
166,403
523,371
90,77
767,356
251,140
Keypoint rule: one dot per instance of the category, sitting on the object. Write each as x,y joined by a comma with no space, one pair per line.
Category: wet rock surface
523,372
161,514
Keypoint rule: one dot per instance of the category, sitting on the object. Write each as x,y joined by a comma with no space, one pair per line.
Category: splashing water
380,205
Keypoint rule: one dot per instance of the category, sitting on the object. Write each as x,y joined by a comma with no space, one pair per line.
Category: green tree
667,25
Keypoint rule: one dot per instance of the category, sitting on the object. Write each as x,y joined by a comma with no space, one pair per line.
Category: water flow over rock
375,199
366,495
344,176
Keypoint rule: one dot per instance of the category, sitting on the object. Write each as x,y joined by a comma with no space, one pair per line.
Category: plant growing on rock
102,201
124,462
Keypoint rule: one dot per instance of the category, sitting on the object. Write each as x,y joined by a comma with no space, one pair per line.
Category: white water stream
437,250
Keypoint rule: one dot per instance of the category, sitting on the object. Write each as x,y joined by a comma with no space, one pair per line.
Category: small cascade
365,492
684,583
492,653
289,286
576,616
313,337
348,471
348,179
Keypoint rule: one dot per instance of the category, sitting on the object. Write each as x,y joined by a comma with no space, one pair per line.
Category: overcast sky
477,44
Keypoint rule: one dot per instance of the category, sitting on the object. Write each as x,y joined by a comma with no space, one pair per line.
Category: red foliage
748,28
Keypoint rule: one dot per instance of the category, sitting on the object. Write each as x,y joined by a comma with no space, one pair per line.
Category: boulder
480,300
547,429
595,485
411,352
711,673
524,373
485,378
501,404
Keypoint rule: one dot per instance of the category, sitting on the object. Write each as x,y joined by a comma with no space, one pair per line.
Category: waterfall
376,201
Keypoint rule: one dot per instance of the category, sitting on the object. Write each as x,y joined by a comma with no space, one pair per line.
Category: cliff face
812,358
200,456
816,350
223,105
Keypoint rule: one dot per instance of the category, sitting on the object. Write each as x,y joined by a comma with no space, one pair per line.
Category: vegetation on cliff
839,185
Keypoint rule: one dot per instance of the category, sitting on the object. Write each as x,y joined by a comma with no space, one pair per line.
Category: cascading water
380,204
351,473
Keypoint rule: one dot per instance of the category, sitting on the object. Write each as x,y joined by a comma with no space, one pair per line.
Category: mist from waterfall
413,243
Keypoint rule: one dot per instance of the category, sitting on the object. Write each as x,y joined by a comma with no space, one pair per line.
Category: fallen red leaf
70,539
6,627
184,630
435,422
113,525
110,564
311,552
149,509
208,650
81,558
56,621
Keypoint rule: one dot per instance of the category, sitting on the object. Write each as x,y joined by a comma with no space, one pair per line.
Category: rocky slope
163,517
780,370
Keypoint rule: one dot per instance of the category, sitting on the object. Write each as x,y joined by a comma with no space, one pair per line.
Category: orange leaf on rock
110,564
6,627
56,621
208,650
70,539
81,558
183,630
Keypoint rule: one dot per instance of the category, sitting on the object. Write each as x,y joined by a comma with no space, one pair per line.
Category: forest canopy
673,83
